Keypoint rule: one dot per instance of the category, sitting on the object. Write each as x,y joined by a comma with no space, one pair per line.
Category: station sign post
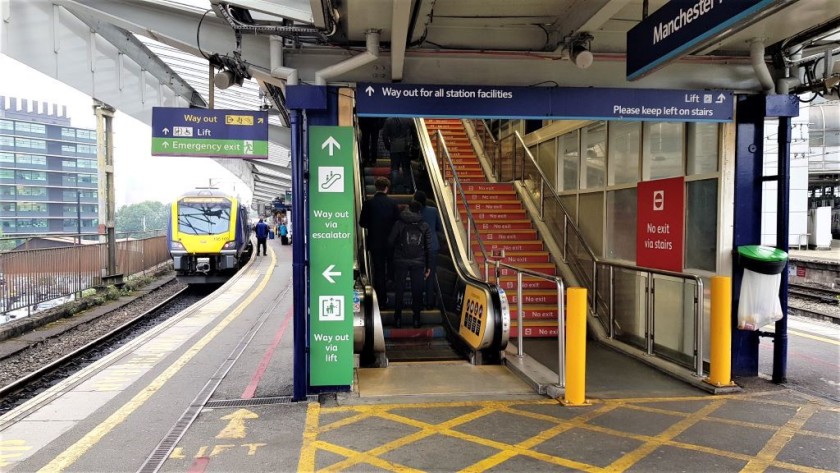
331,243
678,28
558,103
196,132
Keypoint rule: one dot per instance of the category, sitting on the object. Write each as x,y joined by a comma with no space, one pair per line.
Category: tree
145,216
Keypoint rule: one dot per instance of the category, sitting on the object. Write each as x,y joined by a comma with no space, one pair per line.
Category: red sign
800,271
660,224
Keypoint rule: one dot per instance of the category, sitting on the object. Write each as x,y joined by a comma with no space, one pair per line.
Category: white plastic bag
759,304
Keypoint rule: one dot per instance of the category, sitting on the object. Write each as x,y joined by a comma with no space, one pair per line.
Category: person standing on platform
432,219
412,243
369,127
261,230
398,137
379,213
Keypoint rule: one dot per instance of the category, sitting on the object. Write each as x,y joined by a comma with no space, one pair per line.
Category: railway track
814,293
84,351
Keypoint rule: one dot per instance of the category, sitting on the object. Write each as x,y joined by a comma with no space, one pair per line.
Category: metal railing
512,161
32,276
451,180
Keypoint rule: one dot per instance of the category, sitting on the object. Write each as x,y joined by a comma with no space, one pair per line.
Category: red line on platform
258,374
199,465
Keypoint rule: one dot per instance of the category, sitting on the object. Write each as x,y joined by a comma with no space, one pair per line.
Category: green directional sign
331,237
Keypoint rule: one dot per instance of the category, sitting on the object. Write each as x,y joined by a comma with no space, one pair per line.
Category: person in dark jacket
398,138
370,138
261,230
379,214
432,219
409,260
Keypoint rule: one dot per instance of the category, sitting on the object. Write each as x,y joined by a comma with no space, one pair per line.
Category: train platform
211,390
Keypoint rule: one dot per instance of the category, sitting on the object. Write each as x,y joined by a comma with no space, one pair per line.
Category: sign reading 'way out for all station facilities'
331,240
209,133
544,102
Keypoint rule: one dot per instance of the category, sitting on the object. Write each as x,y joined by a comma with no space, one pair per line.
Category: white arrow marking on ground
332,143
329,273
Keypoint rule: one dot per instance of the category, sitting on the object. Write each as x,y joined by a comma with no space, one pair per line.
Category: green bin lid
762,253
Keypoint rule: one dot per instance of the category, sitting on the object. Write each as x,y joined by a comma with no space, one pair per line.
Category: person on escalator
379,213
411,241
370,126
432,219
398,137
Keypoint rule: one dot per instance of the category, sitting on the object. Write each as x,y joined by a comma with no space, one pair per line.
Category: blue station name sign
209,133
544,103
681,26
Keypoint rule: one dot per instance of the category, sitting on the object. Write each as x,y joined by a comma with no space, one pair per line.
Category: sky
139,176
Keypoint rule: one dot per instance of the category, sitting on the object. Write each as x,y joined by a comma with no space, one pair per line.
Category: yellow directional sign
236,427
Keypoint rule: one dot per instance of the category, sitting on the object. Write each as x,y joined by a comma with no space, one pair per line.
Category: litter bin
759,302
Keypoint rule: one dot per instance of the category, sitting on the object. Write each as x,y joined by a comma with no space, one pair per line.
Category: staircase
503,224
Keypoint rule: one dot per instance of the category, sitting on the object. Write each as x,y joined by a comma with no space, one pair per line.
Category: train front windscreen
204,216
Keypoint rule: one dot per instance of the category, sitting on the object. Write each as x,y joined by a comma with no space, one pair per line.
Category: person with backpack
432,218
379,213
411,241
398,137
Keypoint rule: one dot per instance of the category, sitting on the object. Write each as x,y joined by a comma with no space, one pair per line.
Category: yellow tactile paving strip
750,433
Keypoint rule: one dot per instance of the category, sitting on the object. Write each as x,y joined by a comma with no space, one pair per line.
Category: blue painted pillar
749,152
749,149
309,105
780,338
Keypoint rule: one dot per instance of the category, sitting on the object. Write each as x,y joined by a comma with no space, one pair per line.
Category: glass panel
629,306
594,139
547,159
701,224
621,224
624,152
591,222
570,151
7,158
569,203
673,319
203,217
7,125
662,150
702,153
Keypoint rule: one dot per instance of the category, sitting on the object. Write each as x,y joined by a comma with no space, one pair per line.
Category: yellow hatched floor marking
506,452
781,438
72,454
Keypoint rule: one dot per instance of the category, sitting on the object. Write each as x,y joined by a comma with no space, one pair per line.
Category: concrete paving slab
435,415
730,438
668,458
588,446
504,427
812,451
632,421
427,453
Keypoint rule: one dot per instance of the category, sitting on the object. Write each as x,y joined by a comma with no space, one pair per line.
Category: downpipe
762,72
355,62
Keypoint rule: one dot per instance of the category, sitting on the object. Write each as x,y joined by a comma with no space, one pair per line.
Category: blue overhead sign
543,102
209,133
679,27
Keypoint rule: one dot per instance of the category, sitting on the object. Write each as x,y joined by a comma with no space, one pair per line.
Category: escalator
467,322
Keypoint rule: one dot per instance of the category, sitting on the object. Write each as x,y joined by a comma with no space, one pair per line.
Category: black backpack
411,241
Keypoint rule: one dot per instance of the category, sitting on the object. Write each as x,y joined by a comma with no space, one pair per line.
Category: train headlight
231,245
176,245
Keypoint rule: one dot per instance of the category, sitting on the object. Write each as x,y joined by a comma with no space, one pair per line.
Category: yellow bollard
720,369
575,347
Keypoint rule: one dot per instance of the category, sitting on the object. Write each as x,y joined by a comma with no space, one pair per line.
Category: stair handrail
457,191
591,284
561,313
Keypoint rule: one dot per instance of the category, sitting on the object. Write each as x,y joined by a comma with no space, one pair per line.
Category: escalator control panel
473,316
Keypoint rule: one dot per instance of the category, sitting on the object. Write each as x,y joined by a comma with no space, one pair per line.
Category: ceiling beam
400,19
148,61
